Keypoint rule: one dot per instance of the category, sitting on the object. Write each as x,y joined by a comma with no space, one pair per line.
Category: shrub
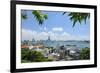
85,53
32,56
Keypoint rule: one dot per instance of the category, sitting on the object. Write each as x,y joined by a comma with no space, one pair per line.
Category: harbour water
78,44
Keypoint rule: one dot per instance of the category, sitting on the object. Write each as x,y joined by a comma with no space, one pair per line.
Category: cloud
29,35
43,28
57,29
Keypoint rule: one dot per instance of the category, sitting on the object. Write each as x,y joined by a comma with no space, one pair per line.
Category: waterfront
57,50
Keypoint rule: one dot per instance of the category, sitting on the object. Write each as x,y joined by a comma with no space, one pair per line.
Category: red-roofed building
24,46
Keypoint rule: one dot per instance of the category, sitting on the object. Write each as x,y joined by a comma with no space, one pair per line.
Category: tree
74,16
24,15
28,55
40,17
78,17
85,53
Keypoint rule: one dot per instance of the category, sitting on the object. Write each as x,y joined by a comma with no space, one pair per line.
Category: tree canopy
85,53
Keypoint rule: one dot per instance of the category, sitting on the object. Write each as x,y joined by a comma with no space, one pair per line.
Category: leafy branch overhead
78,17
23,16
74,16
40,17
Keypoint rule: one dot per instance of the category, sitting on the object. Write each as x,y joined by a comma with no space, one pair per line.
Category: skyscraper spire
49,38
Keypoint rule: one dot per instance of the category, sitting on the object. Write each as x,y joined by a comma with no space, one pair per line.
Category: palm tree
78,17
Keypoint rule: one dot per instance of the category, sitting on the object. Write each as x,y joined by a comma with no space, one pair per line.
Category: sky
57,26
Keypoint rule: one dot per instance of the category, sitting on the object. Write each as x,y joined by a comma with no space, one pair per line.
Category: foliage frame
13,36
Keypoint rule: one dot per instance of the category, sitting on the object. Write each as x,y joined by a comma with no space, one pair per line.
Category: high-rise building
33,40
48,38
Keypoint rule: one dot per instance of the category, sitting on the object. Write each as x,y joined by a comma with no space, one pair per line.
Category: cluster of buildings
60,53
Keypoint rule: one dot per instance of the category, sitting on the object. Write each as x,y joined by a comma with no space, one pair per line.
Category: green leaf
64,13
40,17
45,16
78,17
23,16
